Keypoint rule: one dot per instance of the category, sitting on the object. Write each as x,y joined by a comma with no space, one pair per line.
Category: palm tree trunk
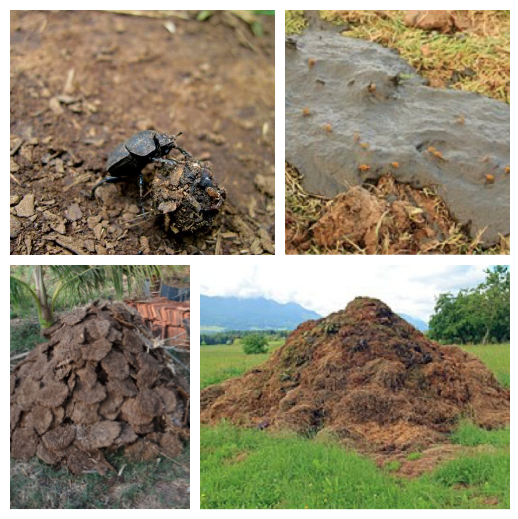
46,315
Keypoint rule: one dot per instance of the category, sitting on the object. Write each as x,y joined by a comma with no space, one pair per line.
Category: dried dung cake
96,386
367,377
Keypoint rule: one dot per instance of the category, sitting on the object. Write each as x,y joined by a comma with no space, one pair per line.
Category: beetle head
165,142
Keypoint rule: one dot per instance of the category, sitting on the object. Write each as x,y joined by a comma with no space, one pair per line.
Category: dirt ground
83,82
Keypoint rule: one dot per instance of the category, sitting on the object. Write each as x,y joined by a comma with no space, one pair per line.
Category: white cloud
409,289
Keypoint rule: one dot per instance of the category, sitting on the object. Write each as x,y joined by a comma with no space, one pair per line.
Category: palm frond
138,274
22,296
72,285
75,284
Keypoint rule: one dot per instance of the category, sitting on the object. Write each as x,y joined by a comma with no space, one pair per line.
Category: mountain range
233,313
219,314
421,325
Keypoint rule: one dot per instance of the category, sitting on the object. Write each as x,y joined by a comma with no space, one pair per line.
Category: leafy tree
254,344
478,315
44,286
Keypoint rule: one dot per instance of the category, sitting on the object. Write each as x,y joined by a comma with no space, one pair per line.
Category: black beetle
129,158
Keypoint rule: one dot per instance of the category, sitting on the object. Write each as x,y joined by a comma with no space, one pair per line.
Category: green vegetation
265,471
219,363
46,286
247,16
162,484
294,22
414,456
392,466
478,315
254,344
25,336
470,435
497,357
229,336
262,470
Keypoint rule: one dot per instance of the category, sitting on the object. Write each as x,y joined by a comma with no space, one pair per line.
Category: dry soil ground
82,82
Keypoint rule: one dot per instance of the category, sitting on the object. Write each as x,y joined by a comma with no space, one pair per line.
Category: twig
15,179
21,356
151,14
172,338
171,459
177,349
180,363
79,180
218,249
16,148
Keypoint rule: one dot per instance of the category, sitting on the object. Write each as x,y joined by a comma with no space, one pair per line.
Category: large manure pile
366,376
97,385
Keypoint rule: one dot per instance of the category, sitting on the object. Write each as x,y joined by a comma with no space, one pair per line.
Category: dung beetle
128,159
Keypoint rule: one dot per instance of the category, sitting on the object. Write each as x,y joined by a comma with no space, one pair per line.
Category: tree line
228,337
479,315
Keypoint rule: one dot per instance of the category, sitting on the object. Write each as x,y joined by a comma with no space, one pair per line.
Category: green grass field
221,362
251,469
497,357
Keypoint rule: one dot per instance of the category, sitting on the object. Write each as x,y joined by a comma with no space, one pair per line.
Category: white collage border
311,263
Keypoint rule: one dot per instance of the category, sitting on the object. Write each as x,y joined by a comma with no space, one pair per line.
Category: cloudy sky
406,289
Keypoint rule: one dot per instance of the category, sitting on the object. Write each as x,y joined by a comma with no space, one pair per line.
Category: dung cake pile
366,377
97,385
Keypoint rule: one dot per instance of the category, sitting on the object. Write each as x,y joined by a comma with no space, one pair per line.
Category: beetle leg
183,152
165,161
107,180
141,189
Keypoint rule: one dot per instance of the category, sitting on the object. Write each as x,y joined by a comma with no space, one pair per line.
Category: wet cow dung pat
74,398
371,91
